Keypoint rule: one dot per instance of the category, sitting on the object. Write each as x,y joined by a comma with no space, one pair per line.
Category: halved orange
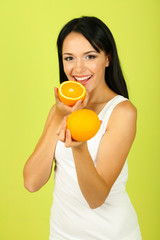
70,92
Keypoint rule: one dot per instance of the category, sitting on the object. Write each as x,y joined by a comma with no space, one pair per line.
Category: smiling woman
98,37
82,62
90,176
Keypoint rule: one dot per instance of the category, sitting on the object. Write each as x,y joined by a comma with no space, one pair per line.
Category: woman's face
82,62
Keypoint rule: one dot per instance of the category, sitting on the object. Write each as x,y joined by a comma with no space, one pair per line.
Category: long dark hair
100,37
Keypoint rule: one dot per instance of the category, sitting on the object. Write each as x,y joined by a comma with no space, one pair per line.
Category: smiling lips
82,79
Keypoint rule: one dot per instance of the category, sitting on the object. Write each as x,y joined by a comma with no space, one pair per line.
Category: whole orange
70,92
83,124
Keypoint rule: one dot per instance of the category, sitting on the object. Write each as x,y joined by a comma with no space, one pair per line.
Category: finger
68,139
58,130
69,142
77,105
86,99
81,104
56,91
56,94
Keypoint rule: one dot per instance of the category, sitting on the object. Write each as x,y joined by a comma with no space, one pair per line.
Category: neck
100,94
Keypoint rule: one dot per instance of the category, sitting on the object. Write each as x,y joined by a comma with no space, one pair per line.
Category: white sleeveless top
71,217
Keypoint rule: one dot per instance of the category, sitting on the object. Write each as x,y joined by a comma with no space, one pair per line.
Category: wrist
58,115
79,147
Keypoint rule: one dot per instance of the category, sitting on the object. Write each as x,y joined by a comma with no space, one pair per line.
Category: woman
90,201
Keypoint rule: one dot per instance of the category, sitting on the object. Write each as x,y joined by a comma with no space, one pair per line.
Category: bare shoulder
124,112
127,108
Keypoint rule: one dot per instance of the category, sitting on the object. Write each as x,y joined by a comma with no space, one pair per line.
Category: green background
28,74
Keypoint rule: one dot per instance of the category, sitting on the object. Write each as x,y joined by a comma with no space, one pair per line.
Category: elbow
30,186
29,183
96,204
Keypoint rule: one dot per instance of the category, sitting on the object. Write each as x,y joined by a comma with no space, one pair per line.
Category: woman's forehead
76,42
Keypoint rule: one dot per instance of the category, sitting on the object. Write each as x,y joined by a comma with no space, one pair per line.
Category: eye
91,56
68,58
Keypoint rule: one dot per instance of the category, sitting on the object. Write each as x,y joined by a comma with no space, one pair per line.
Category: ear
107,61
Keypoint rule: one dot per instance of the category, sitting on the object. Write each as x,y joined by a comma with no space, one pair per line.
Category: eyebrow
84,53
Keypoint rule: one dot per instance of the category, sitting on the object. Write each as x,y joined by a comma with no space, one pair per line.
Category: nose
79,66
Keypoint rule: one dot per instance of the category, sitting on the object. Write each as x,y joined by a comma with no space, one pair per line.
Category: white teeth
82,78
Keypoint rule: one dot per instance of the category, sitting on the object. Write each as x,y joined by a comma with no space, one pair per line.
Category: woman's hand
64,135
63,110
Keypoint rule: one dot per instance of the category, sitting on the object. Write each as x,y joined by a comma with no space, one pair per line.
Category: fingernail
80,101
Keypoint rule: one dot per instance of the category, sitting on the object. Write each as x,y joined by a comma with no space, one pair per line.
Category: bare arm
38,167
95,182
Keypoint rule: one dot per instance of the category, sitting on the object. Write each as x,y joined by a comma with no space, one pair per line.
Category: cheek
93,67
67,68
97,68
